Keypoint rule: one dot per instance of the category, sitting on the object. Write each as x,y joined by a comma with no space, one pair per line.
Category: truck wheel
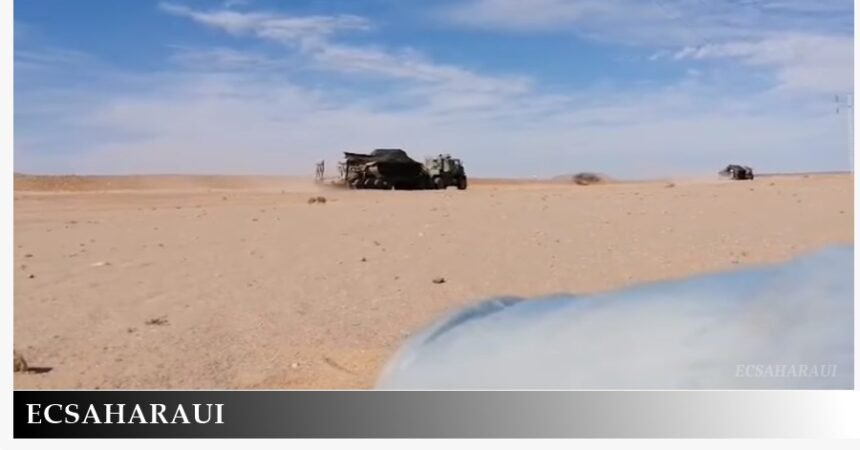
438,183
461,184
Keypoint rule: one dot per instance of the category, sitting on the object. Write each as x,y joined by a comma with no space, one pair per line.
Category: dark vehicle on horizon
737,172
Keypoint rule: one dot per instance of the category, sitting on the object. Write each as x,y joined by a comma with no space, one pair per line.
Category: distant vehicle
394,169
737,172
446,171
587,178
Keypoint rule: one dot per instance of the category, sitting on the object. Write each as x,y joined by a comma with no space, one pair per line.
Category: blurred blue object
786,326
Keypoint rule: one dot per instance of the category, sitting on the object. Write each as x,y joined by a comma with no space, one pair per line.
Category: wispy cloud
313,35
807,43
306,30
802,62
656,22
278,108
252,122
50,57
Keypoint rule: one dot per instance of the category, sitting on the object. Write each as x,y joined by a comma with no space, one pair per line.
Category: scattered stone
670,185
20,364
363,259
438,280
312,200
31,276
28,255
131,330
100,264
334,364
294,365
321,199
157,321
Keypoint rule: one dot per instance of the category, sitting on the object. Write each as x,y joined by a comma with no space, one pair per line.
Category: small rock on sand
157,321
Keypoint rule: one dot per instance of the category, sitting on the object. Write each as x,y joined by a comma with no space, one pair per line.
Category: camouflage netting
392,162
382,155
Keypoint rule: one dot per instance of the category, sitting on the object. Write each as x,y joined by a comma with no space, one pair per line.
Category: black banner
419,414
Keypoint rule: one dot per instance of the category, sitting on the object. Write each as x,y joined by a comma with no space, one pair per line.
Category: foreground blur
786,326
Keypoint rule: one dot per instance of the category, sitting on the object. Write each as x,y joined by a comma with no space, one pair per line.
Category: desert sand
239,282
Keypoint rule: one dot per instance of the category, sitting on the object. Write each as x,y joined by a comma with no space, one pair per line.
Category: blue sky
516,88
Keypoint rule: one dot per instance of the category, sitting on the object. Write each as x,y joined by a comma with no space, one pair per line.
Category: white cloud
250,122
807,43
533,15
660,22
306,30
819,63
410,65
224,58
313,35
227,110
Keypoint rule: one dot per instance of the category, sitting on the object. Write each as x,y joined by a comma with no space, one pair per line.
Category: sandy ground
152,282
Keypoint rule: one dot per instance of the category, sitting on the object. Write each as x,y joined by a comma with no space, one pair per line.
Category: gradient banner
442,414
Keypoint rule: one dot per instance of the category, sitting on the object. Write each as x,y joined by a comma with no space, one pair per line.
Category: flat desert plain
224,282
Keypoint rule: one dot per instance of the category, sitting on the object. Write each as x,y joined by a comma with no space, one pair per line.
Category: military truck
446,171
383,169
394,169
737,172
